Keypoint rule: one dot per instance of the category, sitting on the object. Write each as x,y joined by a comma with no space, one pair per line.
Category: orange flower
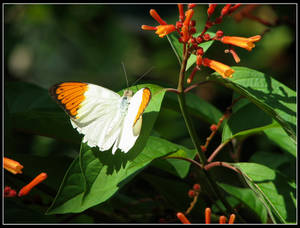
12,165
185,33
155,15
224,70
38,179
181,13
188,16
211,9
222,219
182,218
163,30
147,27
207,215
225,10
185,28
231,219
247,43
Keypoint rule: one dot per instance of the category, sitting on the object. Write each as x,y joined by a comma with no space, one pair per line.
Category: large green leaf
89,181
241,122
268,94
276,191
178,48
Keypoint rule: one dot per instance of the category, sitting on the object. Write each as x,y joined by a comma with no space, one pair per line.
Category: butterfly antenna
147,72
125,74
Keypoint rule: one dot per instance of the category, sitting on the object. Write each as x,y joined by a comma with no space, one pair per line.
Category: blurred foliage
45,44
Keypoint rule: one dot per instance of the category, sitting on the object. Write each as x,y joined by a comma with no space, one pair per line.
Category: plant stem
182,104
193,134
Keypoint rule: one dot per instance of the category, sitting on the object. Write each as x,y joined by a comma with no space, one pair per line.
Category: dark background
45,44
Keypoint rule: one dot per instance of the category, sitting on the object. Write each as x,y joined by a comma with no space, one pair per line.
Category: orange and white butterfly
104,117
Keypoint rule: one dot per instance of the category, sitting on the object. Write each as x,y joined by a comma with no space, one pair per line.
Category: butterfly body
106,119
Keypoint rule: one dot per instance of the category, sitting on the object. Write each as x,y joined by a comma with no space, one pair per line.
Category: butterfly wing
94,111
133,120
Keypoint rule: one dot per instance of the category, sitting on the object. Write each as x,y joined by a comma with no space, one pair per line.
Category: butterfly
105,118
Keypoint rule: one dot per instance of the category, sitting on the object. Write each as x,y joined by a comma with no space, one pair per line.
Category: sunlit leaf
274,190
268,94
93,178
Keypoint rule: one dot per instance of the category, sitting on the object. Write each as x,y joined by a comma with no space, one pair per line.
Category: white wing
94,110
99,117
132,122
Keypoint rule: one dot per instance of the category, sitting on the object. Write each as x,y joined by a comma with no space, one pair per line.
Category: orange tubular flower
147,27
163,30
185,28
26,189
231,219
224,70
191,5
222,219
181,13
188,16
247,43
182,218
12,165
155,15
225,10
207,215
211,9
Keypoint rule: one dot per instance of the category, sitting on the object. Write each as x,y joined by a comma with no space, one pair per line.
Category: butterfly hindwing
133,119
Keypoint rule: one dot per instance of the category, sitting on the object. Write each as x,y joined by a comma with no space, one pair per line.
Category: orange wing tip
145,101
69,95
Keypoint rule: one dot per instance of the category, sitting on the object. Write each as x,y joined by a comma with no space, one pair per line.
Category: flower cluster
16,168
222,219
186,28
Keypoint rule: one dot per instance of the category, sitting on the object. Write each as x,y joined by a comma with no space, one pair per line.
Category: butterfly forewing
69,95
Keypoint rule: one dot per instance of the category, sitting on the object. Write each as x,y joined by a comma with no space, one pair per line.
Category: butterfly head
128,93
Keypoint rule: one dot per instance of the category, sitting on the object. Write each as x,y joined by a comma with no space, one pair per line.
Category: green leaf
178,48
176,166
281,138
276,191
89,181
241,122
247,197
268,94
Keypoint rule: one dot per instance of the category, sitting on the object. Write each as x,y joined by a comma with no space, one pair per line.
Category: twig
214,154
172,90
194,86
223,164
